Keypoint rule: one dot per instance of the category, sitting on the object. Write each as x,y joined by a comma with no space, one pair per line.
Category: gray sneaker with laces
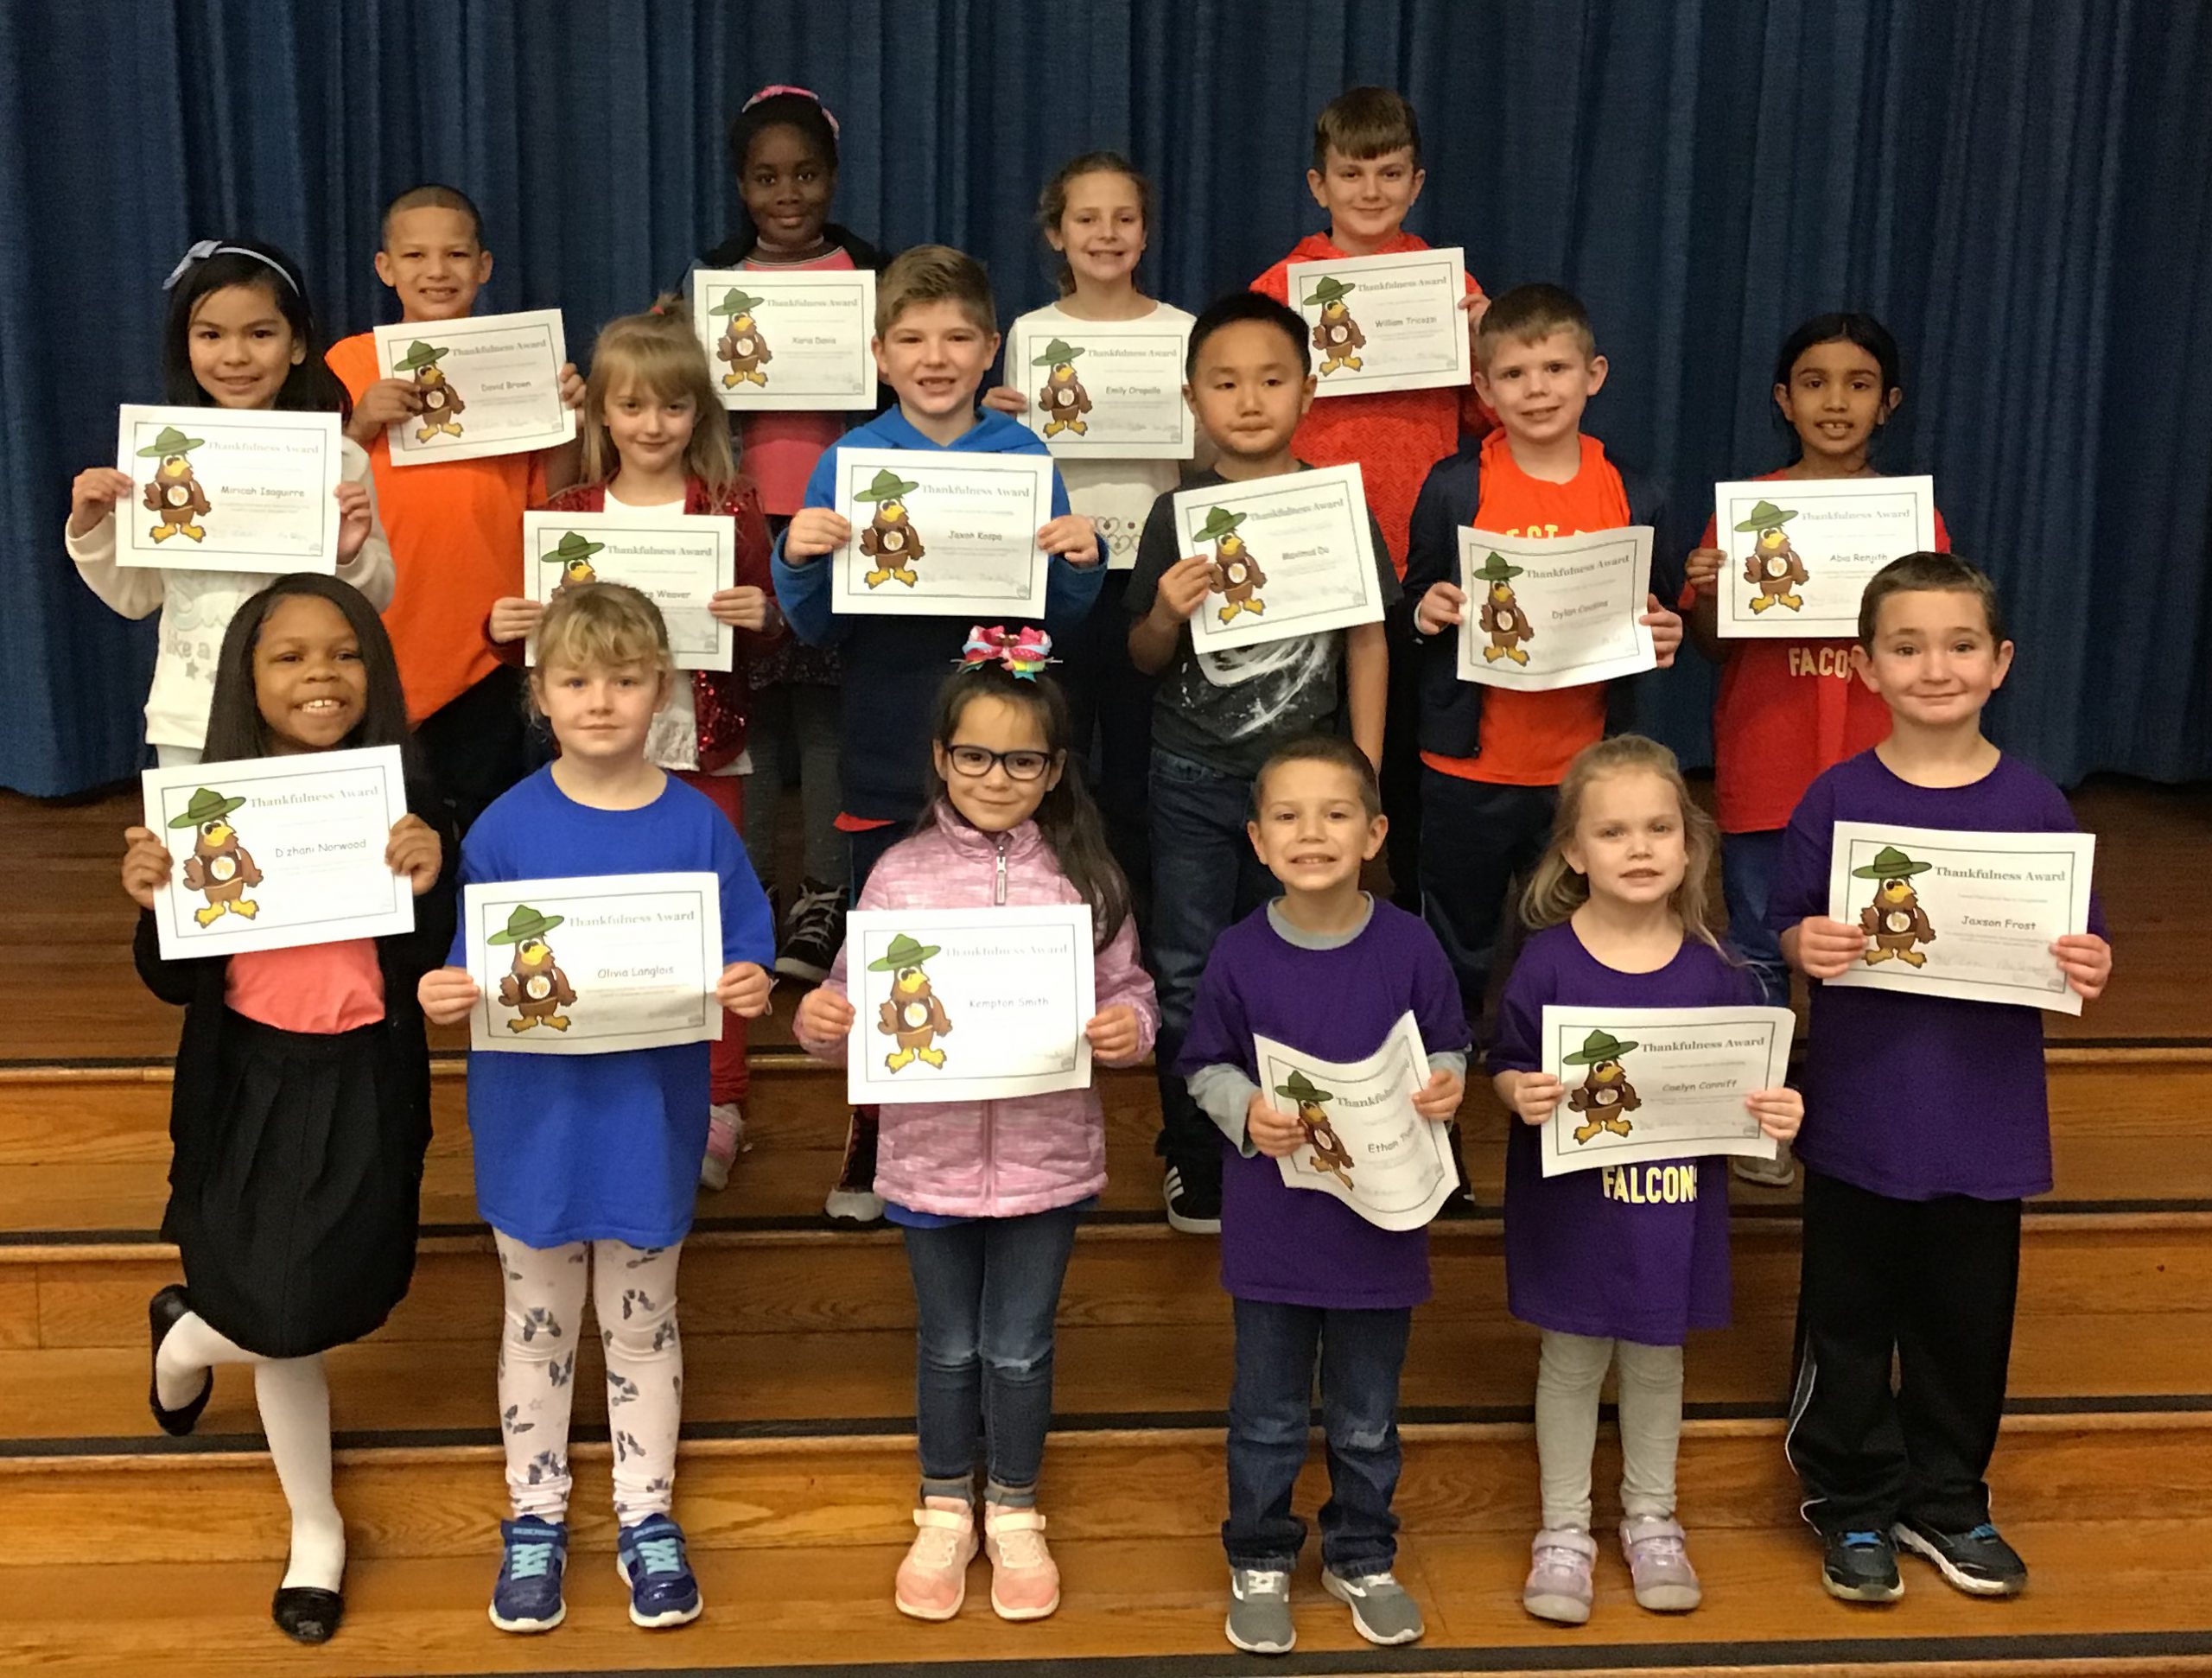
1559,1586
1659,1563
1382,1612
1259,1610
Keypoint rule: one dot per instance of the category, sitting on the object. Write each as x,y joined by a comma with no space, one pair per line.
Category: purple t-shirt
1918,1097
1297,1246
1624,1252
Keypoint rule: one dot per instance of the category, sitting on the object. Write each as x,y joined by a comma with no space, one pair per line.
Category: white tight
293,1394
633,1292
1570,1370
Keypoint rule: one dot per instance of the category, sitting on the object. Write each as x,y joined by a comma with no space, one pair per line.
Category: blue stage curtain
2022,188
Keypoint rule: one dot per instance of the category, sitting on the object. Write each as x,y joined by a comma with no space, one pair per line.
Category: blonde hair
934,274
658,353
1555,891
601,626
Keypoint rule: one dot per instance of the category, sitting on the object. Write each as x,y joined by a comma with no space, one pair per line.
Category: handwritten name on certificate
1965,914
221,489
968,1005
937,533
595,963
489,384
1364,1144
788,341
1106,390
1291,556
1659,1084
675,562
274,853
1385,323
1801,550
1555,612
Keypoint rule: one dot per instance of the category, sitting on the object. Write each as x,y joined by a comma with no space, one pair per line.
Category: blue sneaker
650,1557
527,1597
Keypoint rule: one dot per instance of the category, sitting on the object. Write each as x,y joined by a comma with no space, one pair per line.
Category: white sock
294,1394
188,1350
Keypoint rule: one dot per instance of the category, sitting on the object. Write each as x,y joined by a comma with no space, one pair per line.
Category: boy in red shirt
455,526
1367,173
1492,758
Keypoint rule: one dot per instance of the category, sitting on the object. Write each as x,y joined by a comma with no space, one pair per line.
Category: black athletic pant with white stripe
1932,1282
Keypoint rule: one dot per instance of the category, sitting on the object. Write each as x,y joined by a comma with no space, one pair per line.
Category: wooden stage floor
67,992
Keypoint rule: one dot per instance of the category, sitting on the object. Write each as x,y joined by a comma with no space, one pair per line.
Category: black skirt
295,1192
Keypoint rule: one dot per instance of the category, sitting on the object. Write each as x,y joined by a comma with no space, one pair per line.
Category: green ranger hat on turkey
736,301
206,804
904,952
1328,290
888,485
1494,569
1220,522
525,922
1767,517
1059,350
171,441
419,355
1890,863
573,547
1599,1045
1300,1088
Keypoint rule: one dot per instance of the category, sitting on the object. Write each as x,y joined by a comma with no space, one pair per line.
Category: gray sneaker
1259,1610
1382,1610
1559,1586
1779,1172
1659,1563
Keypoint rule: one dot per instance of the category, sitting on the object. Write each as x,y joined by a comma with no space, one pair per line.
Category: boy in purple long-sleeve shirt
1330,970
1926,1123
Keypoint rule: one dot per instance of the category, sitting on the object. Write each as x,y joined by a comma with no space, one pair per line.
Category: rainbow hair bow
1023,652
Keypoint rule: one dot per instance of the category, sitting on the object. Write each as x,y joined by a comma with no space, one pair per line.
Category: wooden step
87,1153
404,1500
782,1331
2107,1598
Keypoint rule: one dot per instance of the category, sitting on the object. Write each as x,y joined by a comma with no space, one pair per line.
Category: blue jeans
1749,862
1360,1353
985,1294
1204,877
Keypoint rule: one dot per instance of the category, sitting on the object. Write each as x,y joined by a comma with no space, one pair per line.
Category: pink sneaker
1025,1579
725,1141
1559,1586
933,1578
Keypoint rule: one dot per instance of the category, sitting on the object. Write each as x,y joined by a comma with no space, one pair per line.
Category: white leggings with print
633,1293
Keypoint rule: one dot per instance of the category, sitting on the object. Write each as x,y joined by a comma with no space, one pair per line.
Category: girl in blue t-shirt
1615,1265
586,1163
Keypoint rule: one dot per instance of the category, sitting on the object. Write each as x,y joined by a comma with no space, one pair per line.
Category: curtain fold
2021,188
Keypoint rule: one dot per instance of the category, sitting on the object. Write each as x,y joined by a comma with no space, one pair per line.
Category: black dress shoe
162,1312
308,1613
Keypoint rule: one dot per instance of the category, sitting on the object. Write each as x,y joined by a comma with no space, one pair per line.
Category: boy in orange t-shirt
455,526
1492,758
1367,173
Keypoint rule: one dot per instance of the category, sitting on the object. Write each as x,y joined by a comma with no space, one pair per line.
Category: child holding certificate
988,1194
782,152
1615,1265
936,336
455,525
1331,972
1218,715
1367,173
587,1165
239,333
302,1101
647,454
1927,1119
1097,213
1788,709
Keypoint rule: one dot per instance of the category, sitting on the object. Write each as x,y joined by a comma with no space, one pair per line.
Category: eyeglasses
974,762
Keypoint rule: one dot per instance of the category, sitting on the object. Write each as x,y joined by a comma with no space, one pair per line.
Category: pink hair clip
770,93
1022,652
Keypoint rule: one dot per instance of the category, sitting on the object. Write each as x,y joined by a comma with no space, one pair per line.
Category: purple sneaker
1659,1562
1558,1586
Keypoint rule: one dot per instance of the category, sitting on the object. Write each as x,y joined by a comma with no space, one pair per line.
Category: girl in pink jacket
989,1193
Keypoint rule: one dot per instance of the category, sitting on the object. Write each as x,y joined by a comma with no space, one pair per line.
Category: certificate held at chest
1555,612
